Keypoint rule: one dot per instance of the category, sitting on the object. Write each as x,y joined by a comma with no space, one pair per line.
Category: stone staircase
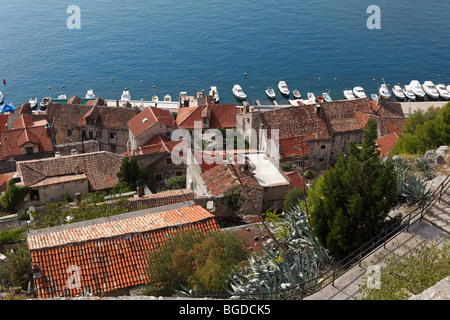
439,214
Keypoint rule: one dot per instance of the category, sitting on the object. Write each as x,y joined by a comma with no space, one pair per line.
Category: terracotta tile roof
110,253
4,179
3,121
59,179
221,178
220,116
161,146
296,179
292,147
344,116
296,121
34,132
148,118
76,114
101,169
386,143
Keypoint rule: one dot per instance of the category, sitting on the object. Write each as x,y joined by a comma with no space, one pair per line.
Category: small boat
311,96
270,93
125,95
374,96
1,98
296,94
238,92
33,103
282,87
167,98
448,88
320,99
408,92
44,103
348,94
430,89
398,92
443,91
90,94
417,89
358,92
214,93
62,97
327,97
384,91
155,98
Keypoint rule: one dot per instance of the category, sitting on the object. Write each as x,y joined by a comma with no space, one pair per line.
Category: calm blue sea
313,45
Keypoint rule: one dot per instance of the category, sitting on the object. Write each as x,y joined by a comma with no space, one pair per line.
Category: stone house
79,123
211,116
51,178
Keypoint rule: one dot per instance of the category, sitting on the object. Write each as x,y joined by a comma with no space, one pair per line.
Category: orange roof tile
149,117
386,143
109,253
293,146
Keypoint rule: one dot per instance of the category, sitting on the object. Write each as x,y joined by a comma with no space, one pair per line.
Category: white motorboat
282,86
326,97
167,98
374,96
214,93
125,95
348,94
33,103
62,97
90,94
384,91
443,91
417,89
448,88
430,89
270,93
44,103
358,92
398,92
1,98
155,98
296,94
238,92
311,96
408,92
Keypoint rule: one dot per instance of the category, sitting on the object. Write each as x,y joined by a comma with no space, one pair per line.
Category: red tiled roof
101,168
149,117
386,143
34,132
296,179
59,179
292,147
110,253
220,116
296,121
221,178
4,179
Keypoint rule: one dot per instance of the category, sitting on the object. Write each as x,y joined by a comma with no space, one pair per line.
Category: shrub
293,197
232,198
13,196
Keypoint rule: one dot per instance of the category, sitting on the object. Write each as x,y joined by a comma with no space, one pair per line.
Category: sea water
159,47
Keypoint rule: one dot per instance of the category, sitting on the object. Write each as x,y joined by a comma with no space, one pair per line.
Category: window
83,134
168,160
322,147
91,135
322,159
158,176
299,163
178,173
29,150
98,134
112,135
69,132
113,148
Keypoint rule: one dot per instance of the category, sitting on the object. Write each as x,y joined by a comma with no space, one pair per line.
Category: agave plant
424,167
270,274
417,190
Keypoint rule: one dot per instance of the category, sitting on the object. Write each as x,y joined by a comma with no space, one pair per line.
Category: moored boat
443,91
125,95
238,92
296,94
1,98
398,92
311,96
383,91
33,103
348,94
374,96
90,94
417,89
358,92
429,88
326,97
408,92
214,93
270,93
44,103
282,87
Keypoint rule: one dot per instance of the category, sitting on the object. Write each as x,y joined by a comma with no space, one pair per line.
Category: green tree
13,196
292,198
232,198
350,203
425,130
130,175
195,260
